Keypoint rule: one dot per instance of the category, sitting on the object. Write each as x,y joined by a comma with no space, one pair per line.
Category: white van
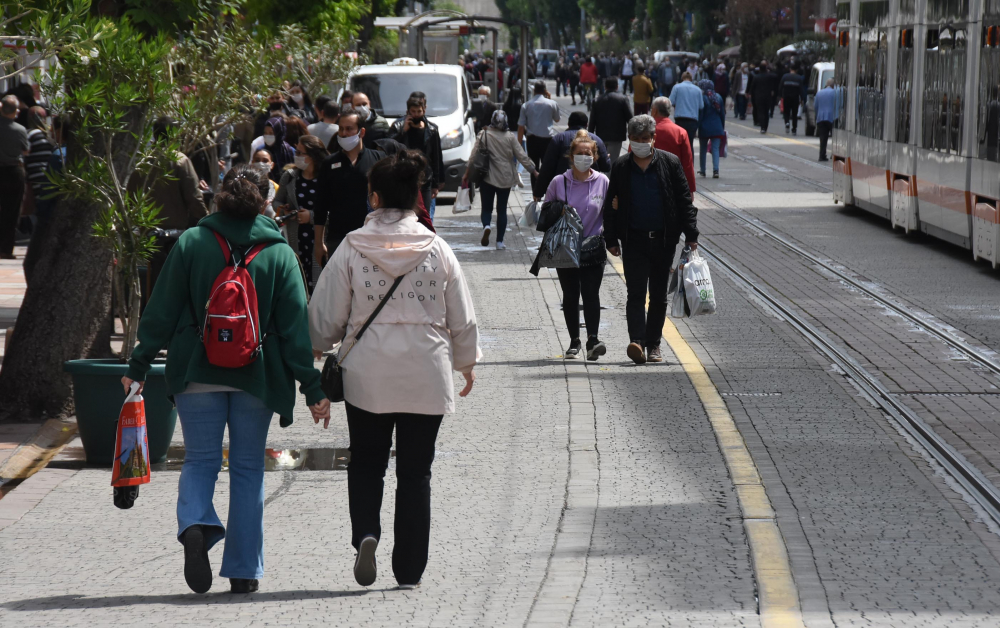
551,55
449,104
816,81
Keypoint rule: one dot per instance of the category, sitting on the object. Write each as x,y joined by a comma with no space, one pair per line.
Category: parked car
449,104
817,79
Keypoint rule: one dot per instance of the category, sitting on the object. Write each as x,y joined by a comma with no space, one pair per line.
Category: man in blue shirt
688,102
826,113
538,118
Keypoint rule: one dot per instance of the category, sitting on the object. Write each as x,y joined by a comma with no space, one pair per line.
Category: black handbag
552,210
332,380
480,165
593,251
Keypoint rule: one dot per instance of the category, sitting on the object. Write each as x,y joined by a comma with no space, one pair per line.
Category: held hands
470,379
303,216
614,250
693,246
127,383
321,410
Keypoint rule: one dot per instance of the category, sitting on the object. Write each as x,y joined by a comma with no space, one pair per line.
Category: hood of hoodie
243,232
397,246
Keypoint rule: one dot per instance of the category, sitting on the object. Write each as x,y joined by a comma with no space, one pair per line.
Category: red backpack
231,332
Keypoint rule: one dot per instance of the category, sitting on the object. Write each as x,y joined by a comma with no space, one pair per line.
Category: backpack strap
227,250
252,253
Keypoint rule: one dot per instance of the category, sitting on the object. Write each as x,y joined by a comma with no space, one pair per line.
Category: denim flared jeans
204,417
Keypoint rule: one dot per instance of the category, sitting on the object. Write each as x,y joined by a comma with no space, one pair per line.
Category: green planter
98,394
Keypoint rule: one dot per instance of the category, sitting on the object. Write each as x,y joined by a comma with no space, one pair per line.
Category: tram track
972,480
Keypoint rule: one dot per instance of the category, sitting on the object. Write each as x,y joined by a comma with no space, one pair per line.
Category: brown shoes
635,353
653,355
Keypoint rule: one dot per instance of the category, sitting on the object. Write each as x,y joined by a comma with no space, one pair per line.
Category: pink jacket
406,359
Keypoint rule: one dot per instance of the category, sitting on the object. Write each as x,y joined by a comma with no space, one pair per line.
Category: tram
917,140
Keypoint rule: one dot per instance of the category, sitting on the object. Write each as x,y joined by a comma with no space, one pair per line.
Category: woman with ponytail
399,376
210,398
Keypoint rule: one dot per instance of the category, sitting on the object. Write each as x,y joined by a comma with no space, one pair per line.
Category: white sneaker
501,246
486,237
364,564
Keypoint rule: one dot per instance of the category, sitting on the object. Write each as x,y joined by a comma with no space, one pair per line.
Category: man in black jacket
555,161
343,184
609,118
792,89
654,209
764,88
416,132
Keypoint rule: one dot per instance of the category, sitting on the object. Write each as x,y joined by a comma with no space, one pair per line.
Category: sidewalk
12,287
565,493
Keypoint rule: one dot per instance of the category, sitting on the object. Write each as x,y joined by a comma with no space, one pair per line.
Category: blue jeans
486,193
204,417
430,210
716,141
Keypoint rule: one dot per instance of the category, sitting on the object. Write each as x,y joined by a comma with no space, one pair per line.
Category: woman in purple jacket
582,188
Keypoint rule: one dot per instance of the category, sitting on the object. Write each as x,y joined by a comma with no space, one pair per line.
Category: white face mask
263,167
641,149
268,140
348,143
297,98
582,162
300,162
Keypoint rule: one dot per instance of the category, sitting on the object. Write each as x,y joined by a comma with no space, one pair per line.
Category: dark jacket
555,161
176,309
178,197
763,89
792,86
431,148
681,216
343,202
376,127
609,117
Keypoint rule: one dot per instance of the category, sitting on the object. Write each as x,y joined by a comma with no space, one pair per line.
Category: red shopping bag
131,465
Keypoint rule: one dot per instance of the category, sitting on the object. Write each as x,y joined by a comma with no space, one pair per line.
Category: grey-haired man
654,209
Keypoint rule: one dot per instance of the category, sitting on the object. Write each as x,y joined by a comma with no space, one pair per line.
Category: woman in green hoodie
210,397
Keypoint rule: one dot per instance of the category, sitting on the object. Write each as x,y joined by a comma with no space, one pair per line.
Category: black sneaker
243,585
364,565
197,569
595,348
574,349
715,175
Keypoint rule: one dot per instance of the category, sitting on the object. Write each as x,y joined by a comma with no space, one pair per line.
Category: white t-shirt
324,131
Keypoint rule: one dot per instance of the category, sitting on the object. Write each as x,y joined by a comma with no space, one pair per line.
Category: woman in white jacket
400,373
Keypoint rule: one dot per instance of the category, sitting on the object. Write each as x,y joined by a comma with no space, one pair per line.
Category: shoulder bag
480,165
332,380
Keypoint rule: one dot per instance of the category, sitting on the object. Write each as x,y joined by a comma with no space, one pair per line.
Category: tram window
988,109
870,108
904,85
844,11
944,89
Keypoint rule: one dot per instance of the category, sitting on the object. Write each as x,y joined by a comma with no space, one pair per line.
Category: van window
388,92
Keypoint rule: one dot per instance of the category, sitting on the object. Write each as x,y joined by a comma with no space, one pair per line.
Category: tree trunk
64,316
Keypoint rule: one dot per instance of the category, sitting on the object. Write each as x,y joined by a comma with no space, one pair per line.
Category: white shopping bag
678,303
530,216
463,202
698,289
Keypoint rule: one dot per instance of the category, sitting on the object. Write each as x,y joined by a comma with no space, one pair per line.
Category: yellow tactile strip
779,598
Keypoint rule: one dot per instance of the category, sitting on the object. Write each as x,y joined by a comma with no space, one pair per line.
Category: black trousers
691,126
791,112
647,268
12,180
584,281
823,129
761,113
371,443
537,145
